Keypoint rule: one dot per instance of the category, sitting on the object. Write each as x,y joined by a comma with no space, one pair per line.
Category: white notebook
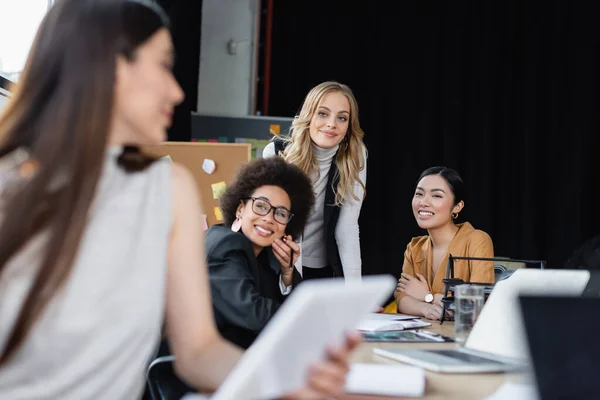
381,325
386,380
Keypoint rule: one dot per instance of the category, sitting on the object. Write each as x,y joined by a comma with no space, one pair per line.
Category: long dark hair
60,113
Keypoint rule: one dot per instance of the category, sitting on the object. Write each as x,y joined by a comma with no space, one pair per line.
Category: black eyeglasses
262,207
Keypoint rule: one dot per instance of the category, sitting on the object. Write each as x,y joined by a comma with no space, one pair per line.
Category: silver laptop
498,341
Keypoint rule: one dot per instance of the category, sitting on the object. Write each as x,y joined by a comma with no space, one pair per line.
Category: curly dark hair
271,171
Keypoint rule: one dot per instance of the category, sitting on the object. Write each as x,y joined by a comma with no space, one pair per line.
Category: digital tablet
318,312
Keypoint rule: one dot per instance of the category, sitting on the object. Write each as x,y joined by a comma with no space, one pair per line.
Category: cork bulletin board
223,159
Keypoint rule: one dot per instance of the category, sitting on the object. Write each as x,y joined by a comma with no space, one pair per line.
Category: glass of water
468,302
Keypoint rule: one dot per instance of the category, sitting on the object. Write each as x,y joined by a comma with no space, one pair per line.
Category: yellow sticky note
274,129
218,214
217,189
168,157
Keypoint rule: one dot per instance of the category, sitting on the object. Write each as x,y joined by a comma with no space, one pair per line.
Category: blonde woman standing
326,142
101,245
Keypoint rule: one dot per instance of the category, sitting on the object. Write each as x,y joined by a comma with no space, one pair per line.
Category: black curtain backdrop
186,17
506,92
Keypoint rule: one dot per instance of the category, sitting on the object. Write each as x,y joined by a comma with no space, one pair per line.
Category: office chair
163,383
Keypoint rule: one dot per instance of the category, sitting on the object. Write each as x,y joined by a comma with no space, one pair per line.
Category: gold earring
454,215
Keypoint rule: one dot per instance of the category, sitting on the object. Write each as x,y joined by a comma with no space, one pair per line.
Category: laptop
592,289
497,342
317,313
563,342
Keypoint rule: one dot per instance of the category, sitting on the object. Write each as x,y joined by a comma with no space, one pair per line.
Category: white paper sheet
512,391
374,325
386,380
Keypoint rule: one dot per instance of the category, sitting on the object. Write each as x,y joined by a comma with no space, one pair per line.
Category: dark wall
186,18
506,92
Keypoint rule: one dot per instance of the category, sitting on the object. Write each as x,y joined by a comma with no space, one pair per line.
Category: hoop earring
454,215
237,224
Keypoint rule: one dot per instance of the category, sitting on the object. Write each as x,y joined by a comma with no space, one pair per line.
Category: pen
291,255
430,335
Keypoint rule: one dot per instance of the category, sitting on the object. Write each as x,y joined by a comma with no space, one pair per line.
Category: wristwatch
428,298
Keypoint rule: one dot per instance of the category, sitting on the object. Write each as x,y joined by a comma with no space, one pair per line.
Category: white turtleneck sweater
313,247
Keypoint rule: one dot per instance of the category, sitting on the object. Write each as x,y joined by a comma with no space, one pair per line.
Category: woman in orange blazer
436,204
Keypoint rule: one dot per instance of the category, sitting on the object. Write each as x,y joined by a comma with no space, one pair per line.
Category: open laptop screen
564,344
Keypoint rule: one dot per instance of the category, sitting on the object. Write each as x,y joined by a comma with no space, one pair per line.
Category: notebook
375,325
385,380
408,336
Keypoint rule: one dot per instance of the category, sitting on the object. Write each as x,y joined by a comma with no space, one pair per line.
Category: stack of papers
379,322
386,380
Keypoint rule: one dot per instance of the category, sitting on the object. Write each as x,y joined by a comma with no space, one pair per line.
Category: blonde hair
349,159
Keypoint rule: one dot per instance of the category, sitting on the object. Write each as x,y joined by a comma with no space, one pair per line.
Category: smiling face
262,230
329,124
433,203
146,92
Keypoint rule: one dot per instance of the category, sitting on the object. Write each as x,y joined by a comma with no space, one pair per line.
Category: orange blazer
468,242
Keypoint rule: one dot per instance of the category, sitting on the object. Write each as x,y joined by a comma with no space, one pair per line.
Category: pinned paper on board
208,166
203,221
218,189
218,214
275,129
168,157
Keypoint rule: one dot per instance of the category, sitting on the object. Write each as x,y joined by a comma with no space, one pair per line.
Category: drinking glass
468,302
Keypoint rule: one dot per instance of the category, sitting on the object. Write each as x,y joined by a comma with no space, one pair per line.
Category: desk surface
438,386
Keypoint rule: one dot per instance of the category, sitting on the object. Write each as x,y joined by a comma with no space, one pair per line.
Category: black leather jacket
244,288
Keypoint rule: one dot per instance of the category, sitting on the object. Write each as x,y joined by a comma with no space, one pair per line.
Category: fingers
290,242
293,246
305,393
339,356
433,314
421,278
281,255
327,378
282,251
284,247
433,311
353,339
407,277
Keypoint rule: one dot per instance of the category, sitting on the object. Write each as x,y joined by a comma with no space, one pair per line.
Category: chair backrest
163,383
501,272
505,268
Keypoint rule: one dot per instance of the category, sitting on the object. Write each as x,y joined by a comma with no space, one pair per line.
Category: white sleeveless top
96,337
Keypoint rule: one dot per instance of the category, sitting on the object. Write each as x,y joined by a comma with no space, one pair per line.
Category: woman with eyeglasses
100,245
251,255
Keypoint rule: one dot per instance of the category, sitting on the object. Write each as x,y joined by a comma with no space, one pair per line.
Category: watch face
429,298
